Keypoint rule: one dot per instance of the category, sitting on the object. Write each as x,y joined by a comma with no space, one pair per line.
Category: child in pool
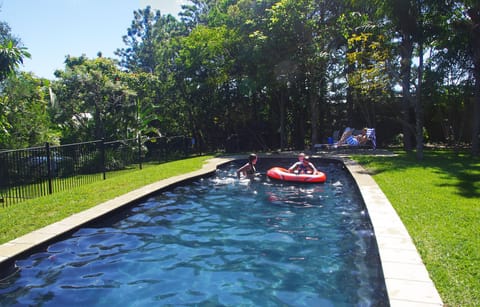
248,170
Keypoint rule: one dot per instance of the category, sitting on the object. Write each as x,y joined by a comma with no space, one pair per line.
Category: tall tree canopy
248,74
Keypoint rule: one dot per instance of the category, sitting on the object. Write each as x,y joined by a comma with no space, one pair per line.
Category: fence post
49,168
103,158
140,150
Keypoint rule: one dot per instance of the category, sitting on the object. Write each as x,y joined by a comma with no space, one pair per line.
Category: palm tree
10,57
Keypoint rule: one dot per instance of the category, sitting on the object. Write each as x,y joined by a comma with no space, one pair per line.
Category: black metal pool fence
33,172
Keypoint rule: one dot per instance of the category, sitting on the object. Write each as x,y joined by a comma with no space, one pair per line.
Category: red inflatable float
280,173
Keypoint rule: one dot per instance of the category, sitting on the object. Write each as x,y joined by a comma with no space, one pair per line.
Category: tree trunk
350,99
315,116
476,113
99,125
406,51
283,99
320,98
419,107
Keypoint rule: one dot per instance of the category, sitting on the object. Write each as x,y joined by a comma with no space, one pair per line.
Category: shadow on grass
462,167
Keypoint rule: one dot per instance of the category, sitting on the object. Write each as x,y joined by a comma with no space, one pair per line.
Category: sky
53,29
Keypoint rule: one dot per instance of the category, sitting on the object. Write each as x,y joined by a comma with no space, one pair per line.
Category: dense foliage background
262,74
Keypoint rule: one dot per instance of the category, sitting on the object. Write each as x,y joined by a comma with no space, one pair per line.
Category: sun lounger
371,141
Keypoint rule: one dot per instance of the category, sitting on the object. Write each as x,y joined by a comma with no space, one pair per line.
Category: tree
197,13
367,63
24,103
12,52
94,100
303,36
473,26
404,16
11,56
149,112
204,63
456,53
140,39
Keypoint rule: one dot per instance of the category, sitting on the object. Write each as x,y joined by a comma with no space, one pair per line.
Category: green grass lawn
438,200
22,218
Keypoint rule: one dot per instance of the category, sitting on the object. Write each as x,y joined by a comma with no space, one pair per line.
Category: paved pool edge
407,280
406,277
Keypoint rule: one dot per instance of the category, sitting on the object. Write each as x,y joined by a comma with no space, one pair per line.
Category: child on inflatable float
301,171
303,165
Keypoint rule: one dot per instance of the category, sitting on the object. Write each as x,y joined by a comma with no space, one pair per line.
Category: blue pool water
217,241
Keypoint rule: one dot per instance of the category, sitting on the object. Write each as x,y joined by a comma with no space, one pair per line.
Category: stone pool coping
406,278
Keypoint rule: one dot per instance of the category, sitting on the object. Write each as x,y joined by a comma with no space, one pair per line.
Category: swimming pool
217,241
